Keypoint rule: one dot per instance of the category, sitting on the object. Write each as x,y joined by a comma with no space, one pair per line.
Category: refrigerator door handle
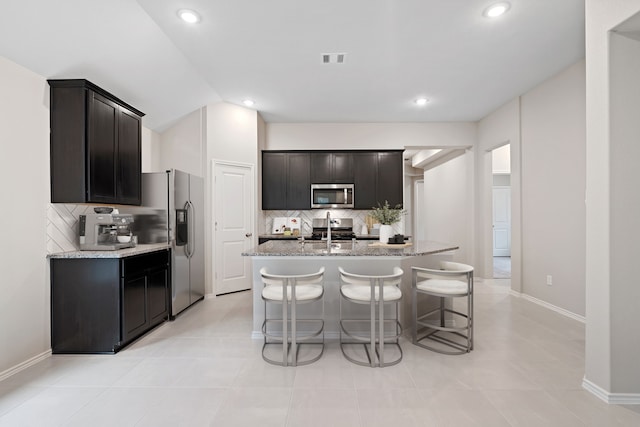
191,221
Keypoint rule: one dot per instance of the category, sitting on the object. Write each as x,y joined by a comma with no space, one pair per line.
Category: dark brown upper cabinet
331,168
287,176
96,145
285,181
377,177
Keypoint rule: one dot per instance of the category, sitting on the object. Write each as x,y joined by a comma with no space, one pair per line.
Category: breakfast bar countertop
359,248
121,253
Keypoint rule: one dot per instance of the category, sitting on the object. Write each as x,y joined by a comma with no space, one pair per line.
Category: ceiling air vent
334,58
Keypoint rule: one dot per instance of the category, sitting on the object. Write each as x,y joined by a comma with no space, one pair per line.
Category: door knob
248,235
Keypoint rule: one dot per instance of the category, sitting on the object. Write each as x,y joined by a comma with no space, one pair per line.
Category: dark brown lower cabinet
99,305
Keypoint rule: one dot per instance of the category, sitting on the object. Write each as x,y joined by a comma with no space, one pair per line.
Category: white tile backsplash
62,226
306,217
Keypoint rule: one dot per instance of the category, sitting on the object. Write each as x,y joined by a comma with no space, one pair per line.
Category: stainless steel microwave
331,196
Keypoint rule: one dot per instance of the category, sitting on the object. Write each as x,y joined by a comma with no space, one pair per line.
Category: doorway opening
501,209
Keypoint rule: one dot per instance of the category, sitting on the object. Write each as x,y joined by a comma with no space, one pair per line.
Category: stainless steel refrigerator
173,211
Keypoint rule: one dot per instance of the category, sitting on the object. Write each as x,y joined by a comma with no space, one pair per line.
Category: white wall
182,146
553,188
345,136
545,128
24,171
608,369
501,159
625,212
449,207
341,136
233,133
498,128
218,131
150,150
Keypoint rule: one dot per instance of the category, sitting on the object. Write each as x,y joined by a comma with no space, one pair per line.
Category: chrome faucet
328,229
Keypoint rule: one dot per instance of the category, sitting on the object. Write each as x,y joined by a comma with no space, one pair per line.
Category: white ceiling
270,51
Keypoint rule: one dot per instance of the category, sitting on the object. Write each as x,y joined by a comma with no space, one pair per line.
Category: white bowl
124,239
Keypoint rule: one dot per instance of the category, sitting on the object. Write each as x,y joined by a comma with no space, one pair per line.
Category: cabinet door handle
248,235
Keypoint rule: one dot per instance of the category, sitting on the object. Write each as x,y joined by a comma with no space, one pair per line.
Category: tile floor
204,370
501,267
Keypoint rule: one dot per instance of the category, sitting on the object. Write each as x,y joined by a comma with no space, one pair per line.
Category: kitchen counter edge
283,248
122,253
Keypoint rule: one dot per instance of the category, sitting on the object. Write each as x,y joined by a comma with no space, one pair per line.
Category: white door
501,221
233,225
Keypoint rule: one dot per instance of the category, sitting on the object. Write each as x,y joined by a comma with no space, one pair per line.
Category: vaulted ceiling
395,51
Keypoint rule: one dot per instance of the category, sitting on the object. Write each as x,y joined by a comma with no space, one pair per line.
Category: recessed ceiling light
421,102
249,102
496,9
188,15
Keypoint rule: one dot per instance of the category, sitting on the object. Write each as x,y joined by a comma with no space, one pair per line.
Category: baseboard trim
24,365
611,398
552,307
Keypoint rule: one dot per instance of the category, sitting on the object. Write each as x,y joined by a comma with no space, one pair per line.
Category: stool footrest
296,361
301,336
443,328
360,335
370,361
438,336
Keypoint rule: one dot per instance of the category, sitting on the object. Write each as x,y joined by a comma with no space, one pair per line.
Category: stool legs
374,344
290,340
458,338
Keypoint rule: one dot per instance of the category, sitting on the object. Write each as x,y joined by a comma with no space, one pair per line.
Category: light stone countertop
121,253
362,248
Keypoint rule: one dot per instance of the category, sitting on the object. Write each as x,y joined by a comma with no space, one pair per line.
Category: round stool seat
363,293
303,292
444,287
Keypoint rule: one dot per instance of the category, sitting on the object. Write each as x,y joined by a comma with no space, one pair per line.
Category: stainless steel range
341,229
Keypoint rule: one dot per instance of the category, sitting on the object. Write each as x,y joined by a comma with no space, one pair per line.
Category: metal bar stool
454,280
289,291
376,291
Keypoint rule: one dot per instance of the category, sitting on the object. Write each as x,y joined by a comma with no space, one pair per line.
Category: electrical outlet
549,280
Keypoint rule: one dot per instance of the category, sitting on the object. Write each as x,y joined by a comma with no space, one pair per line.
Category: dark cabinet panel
129,171
85,305
274,179
298,182
134,307
286,183
331,168
365,176
377,177
321,172
102,146
287,176
343,168
98,305
95,145
157,295
389,178
144,293
67,155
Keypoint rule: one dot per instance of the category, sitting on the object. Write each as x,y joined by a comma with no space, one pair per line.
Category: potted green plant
386,216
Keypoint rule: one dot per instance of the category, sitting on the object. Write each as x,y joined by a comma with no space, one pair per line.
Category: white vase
386,231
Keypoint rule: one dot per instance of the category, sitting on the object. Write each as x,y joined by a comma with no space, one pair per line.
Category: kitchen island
359,256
